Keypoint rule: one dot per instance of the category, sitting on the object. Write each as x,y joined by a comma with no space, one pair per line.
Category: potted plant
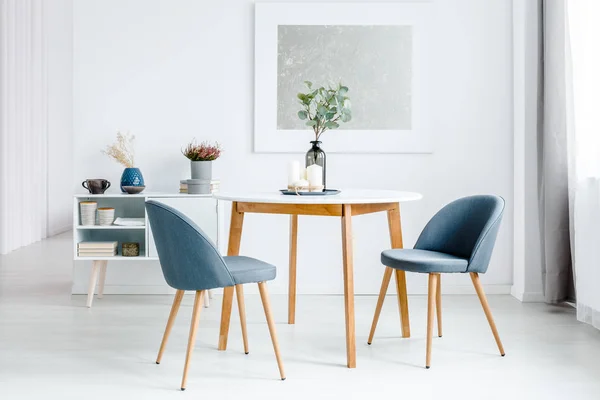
323,109
201,157
122,152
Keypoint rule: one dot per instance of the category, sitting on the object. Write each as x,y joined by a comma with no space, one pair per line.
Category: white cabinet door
203,211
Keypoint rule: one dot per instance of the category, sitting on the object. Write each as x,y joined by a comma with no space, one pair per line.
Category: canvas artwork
378,51
375,62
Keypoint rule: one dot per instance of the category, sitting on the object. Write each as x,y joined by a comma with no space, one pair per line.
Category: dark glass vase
316,155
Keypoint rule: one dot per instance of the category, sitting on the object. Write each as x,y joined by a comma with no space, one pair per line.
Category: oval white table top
347,196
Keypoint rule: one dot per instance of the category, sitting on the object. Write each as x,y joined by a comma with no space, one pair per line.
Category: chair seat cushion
249,270
424,261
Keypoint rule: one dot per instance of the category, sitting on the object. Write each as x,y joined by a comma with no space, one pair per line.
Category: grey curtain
557,271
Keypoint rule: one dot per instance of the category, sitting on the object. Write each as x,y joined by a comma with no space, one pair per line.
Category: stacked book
214,186
97,249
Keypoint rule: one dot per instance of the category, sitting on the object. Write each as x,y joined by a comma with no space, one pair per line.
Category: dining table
346,205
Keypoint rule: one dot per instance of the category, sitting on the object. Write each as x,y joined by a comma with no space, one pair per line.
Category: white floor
52,347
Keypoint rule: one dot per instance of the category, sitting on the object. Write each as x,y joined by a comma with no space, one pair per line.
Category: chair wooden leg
387,275
170,322
192,338
239,292
438,304
430,310
264,296
402,302
486,310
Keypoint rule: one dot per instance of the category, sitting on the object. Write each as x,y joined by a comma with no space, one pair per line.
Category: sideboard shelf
204,210
118,257
110,227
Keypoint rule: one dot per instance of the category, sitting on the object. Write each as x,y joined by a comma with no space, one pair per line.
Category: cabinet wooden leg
92,285
207,298
102,279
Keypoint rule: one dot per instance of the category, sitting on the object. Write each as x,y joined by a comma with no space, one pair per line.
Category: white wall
170,71
59,17
527,282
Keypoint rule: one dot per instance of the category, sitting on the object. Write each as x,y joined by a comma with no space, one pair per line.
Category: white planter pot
201,170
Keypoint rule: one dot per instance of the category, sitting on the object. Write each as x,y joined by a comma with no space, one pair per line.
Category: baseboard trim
251,289
527,297
127,289
60,230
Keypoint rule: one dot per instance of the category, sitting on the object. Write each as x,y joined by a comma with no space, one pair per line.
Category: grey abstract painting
373,61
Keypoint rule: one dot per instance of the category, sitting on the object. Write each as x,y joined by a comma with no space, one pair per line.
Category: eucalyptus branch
326,115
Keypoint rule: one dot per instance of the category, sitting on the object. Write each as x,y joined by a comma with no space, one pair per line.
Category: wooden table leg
395,228
348,285
233,249
292,278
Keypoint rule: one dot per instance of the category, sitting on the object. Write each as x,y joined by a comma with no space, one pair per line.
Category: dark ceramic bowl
134,189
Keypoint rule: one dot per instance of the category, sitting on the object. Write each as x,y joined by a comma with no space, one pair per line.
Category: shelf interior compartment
125,207
119,235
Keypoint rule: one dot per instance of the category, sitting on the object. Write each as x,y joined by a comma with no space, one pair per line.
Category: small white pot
201,170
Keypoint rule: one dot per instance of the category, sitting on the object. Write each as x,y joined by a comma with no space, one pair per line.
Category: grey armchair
458,239
190,261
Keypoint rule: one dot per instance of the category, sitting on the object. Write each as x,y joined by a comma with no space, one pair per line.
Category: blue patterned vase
131,177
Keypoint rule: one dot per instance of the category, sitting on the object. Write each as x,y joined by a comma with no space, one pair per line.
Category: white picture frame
269,139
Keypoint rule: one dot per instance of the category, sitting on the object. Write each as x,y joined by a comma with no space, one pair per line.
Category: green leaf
346,117
322,110
331,125
308,84
311,122
347,103
329,115
343,90
302,114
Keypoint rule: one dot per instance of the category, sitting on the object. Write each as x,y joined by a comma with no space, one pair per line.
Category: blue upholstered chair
458,239
190,261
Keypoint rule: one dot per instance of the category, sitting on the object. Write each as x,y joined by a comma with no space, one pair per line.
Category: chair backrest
188,258
466,228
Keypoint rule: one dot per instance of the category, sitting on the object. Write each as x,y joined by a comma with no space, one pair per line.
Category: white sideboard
141,274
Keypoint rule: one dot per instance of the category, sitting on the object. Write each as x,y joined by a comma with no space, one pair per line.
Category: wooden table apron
346,212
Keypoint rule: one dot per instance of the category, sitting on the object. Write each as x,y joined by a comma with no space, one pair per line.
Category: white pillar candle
293,172
315,175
